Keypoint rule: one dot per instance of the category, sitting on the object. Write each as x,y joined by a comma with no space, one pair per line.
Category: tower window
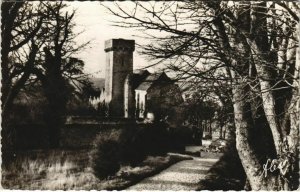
122,61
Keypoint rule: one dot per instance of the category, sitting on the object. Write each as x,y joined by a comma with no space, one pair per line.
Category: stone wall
83,135
75,134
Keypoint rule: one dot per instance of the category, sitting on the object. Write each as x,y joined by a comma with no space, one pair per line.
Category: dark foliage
154,138
181,136
130,146
143,140
102,109
105,156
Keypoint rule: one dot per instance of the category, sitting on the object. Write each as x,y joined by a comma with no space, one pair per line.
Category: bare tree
19,26
58,70
248,46
39,48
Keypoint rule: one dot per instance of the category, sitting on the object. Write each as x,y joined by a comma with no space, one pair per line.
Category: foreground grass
65,170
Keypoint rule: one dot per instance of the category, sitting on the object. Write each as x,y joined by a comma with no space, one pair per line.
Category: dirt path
183,175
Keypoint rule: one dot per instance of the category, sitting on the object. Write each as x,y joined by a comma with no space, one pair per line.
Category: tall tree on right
250,47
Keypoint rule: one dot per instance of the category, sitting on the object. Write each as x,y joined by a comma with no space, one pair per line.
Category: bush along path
184,175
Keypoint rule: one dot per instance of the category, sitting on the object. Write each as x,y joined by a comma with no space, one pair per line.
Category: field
70,169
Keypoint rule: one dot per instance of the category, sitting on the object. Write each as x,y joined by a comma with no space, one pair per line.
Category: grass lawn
70,169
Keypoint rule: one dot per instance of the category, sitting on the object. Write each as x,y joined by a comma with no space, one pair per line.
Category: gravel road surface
183,175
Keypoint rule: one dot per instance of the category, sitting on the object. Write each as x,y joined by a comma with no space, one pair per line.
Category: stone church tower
119,64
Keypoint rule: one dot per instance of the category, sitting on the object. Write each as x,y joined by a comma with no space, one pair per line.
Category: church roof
140,71
138,77
155,76
151,79
144,86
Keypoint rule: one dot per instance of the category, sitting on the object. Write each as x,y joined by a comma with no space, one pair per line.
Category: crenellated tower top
119,45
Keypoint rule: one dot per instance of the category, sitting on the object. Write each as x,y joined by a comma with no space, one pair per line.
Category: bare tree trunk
9,13
57,94
269,104
221,132
292,138
258,42
224,133
252,167
210,128
247,156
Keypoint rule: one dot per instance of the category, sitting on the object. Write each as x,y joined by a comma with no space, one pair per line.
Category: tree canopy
39,49
243,52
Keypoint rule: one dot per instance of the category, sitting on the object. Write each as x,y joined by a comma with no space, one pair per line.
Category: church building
134,93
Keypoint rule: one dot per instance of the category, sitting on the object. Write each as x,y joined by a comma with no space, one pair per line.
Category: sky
95,21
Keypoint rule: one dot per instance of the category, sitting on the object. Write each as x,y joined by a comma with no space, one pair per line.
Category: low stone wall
82,135
73,135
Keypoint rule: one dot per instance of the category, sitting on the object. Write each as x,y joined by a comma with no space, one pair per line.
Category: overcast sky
94,20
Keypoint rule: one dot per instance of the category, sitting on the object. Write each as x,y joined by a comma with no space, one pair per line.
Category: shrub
181,136
130,145
156,138
133,150
137,142
105,155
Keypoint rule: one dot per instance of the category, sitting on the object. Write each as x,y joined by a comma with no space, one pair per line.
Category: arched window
137,109
126,97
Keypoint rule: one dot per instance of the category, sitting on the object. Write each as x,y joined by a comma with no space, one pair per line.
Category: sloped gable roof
144,86
141,71
137,77
151,79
